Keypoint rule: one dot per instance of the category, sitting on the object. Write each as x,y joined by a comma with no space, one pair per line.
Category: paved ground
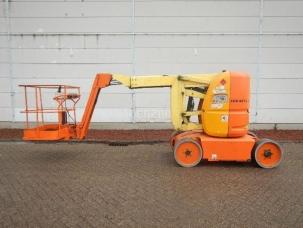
96,185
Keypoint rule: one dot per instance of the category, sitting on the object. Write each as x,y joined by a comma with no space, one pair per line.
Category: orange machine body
225,106
225,119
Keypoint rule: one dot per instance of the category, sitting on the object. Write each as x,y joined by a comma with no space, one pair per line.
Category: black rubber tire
252,134
181,141
255,151
175,133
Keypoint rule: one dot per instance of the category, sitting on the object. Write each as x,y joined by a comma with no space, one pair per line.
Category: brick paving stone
97,185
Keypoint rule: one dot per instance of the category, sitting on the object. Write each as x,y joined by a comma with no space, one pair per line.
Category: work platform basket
50,111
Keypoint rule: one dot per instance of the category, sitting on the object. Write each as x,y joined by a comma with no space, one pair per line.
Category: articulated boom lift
210,113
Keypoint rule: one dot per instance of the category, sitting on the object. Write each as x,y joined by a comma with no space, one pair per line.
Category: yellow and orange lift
218,102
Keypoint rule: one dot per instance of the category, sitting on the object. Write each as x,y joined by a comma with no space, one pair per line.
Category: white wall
70,41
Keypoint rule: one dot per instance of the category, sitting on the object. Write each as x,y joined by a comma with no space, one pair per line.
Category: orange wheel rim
188,153
269,154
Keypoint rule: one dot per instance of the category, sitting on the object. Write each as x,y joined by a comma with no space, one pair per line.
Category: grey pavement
97,185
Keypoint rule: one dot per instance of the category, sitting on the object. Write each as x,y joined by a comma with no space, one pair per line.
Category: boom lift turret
220,103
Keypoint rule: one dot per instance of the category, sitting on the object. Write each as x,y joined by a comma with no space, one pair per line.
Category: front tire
267,153
187,152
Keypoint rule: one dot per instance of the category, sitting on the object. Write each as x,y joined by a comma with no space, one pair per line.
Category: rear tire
267,153
187,152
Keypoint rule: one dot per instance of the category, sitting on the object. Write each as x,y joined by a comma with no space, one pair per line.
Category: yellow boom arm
183,88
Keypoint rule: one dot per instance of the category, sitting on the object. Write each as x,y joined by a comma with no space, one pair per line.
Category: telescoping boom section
210,113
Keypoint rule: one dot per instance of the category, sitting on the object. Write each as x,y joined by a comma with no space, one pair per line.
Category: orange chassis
193,146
